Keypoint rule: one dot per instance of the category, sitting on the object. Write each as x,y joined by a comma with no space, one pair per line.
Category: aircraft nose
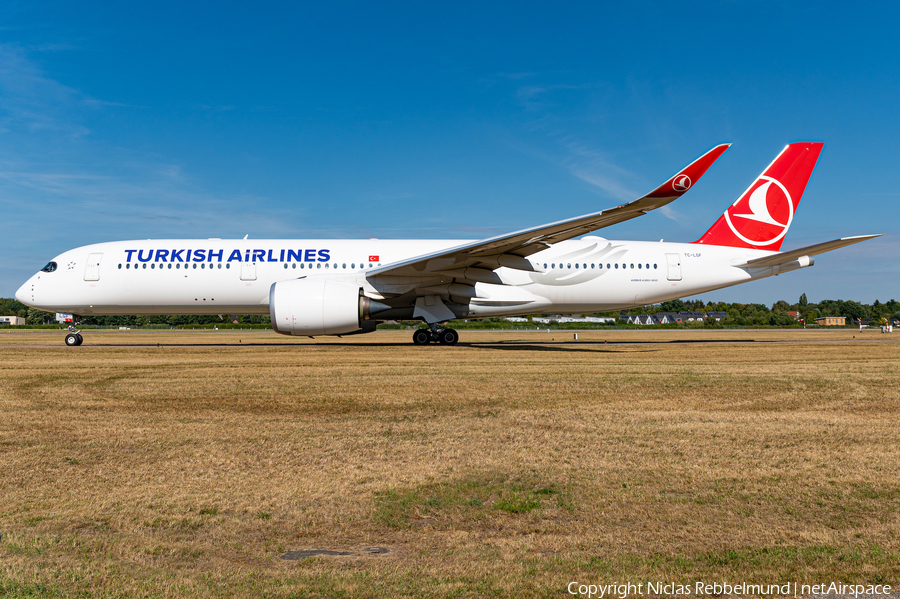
20,294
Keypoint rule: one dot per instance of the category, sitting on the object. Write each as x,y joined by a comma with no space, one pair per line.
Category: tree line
777,315
738,314
12,307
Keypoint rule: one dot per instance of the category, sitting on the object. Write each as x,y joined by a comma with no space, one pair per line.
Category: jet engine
319,307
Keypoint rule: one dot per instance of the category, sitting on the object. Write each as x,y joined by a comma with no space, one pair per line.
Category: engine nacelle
319,307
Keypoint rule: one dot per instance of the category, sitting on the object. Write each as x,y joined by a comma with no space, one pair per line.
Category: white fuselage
216,276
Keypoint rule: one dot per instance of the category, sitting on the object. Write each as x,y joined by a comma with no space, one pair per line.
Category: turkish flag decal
373,258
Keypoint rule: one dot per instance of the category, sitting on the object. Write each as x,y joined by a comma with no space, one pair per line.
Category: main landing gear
443,336
74,337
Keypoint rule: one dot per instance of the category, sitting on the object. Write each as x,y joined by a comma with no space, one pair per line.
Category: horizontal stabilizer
812,250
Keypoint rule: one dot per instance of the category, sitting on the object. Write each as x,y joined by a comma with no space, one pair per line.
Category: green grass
468,499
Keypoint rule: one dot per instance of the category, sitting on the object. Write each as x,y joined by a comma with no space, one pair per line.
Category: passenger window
639,265
127,266
344,266
145,266
545,266
576,265
227,266
285,264
353,266
195,265
654,266
617,265
120,267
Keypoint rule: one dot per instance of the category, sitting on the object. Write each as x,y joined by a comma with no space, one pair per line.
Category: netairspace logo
700,588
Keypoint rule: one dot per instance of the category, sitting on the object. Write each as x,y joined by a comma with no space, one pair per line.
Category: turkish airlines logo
681,183
766,214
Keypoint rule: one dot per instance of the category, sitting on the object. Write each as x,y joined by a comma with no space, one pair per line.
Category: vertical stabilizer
761,216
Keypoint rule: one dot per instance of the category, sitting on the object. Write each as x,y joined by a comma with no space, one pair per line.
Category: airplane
341,287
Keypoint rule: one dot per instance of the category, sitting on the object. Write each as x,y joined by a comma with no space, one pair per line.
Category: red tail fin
760,218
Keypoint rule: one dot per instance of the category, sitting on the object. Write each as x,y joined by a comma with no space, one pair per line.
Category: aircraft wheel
448,337
422,337
72,340
80,338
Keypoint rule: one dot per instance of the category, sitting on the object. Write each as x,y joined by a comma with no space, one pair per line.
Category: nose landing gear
443,336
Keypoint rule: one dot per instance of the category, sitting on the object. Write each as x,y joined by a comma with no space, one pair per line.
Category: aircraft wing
510,249
812,250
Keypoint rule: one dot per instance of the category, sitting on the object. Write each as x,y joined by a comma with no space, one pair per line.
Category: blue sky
461,121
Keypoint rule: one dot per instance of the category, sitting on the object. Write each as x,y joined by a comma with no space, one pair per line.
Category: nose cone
21,293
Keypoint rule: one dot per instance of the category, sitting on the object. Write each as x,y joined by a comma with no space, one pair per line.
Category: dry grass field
187,464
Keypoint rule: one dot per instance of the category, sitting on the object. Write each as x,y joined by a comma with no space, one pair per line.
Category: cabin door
92,268
248,271
673,262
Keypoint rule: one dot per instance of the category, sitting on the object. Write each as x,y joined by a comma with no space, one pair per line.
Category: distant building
691,316
601,319
831,321
11,320
794,314
717,316
643,319
668,317
564,319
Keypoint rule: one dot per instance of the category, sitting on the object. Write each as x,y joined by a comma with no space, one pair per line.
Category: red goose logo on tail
762,216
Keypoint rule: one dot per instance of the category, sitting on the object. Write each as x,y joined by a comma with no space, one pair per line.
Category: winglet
688,176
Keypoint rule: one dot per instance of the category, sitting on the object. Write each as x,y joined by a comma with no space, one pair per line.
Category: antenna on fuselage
247,235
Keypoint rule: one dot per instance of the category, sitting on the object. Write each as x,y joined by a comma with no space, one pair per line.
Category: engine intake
319,307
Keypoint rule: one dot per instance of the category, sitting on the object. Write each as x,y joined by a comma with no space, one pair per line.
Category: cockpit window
51,266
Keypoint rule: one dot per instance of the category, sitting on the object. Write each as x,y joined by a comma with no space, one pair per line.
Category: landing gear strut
74,337
434,333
